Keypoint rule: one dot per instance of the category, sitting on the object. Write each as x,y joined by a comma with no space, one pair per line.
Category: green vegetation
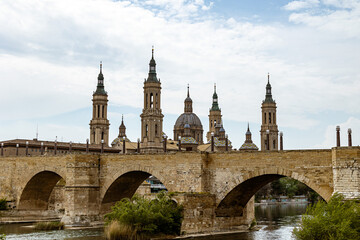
3,204
139,218
2,236
49,226
335,220
286,187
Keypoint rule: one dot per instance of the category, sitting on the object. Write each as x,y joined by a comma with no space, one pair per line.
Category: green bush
49,226
150,217
338,219
3,204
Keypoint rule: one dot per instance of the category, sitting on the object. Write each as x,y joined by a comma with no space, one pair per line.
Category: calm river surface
276,222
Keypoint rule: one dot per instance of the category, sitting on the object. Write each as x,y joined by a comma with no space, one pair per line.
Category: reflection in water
276,222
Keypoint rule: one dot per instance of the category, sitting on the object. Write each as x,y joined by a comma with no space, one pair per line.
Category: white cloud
330,134
50,53
299,5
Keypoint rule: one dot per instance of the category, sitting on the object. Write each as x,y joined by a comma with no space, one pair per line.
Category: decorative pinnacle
122,117
100,66
152,51
214,87
268,78
188,94
248,127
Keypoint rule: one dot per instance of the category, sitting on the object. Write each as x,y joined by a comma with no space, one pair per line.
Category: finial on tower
268,77
122,118
188,94
100,66
248,127
214,87
152,51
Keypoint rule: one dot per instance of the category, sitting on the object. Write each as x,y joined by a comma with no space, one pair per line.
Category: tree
159,216
338,219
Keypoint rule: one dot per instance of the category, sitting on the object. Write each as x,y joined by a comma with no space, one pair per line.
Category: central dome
188,118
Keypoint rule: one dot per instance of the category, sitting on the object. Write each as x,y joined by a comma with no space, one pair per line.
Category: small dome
249,146
188,118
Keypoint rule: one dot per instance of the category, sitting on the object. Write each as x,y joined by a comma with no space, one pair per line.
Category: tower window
265,118
156,129
269,117
214,123
102,135
98,111
103,111
94,111
274,143
156,101
211,124
146,130
146,100
151,100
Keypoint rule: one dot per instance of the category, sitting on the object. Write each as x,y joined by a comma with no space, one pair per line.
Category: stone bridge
216,189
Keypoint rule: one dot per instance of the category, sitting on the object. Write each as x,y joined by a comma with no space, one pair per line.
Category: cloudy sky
50,53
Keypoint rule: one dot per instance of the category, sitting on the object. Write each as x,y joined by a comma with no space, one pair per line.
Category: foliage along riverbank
139,218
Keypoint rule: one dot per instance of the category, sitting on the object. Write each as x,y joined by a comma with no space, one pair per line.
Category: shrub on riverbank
145,217
338,219
118,231
49,226
3,204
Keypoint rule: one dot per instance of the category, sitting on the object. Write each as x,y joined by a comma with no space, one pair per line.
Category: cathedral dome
188,118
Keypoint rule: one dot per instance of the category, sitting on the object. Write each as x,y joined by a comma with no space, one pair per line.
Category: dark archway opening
127,185
235,201
38,190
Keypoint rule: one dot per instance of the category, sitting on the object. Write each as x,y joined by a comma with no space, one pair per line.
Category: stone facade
216,189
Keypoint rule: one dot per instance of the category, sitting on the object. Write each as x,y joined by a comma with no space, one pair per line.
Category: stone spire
248,135
152,69
122,128
248,144
268,96
188,102
215,105
100,86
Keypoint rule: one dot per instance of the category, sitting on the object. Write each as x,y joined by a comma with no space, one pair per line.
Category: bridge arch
239,191
123,185
36,192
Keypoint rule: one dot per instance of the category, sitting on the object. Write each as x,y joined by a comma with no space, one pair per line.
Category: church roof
249,146
221,143
188,140
188,118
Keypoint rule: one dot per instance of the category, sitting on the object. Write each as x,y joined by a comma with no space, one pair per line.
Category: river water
276,223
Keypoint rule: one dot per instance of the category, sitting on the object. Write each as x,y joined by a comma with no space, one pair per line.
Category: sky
50,53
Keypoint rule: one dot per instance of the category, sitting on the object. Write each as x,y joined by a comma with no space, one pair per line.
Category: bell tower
214,116
269,129
151,117
99,124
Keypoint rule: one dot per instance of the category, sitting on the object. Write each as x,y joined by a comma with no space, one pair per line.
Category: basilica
188,132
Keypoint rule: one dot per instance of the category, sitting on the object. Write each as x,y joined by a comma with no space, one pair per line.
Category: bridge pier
346,171
200,215
82,191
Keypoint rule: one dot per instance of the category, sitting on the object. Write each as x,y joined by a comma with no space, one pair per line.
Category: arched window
274,144
151,100
94,111
146,101
214,123
98,111
156,129
102,135
103,111
269,117
156,100
146,130
265,118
